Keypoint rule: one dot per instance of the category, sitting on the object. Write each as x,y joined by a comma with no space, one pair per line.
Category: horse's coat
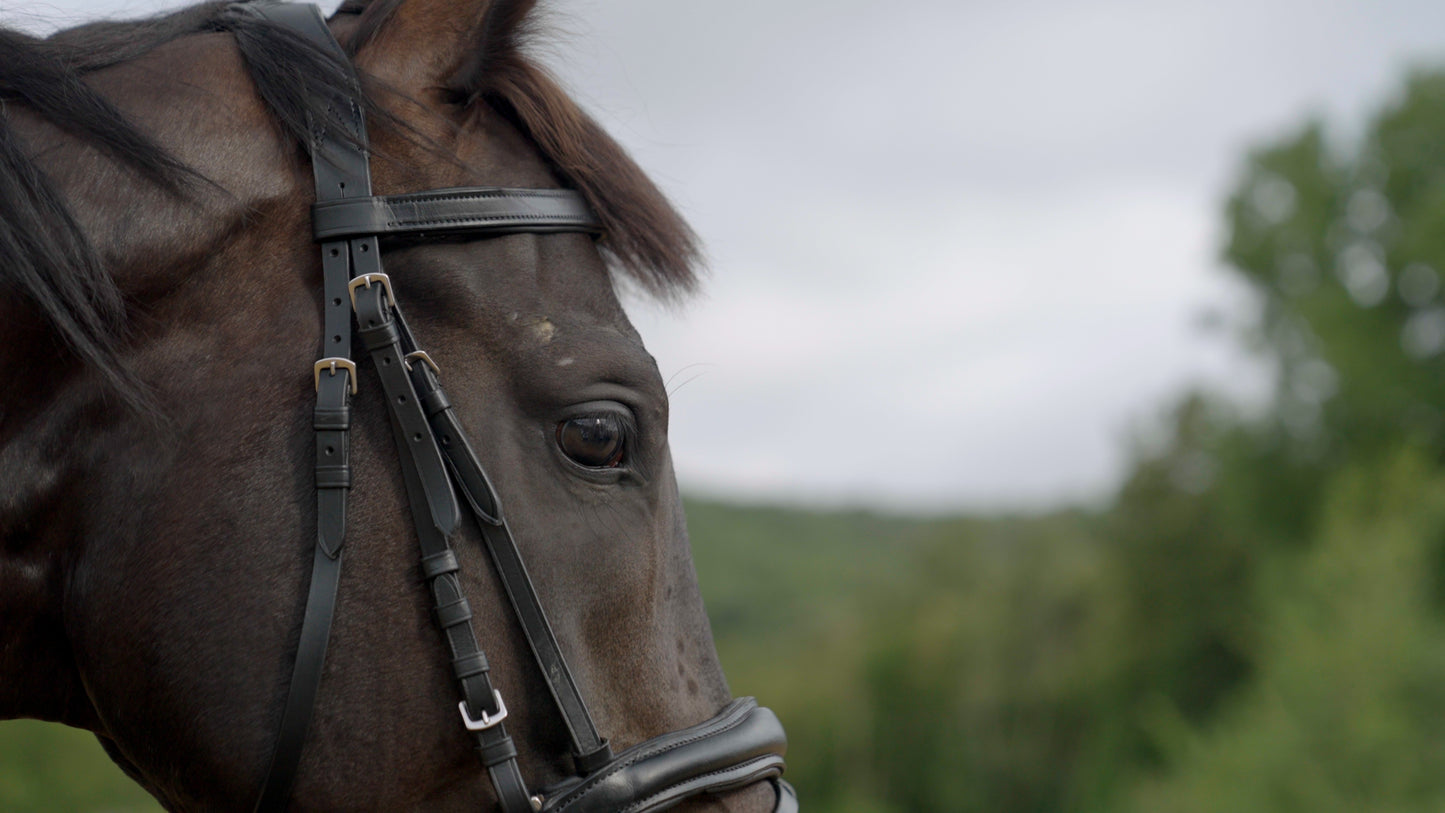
155,483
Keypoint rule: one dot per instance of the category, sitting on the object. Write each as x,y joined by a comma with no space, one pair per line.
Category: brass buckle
421,355
367,279
331,364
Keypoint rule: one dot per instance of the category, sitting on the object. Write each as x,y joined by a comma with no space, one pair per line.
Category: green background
1254,622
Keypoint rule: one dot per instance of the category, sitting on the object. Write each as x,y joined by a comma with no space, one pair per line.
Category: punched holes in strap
334,378
379,332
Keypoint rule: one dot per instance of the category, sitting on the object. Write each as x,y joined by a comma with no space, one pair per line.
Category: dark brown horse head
157,507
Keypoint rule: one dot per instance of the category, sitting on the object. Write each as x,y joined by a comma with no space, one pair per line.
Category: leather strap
485,210
480,698
305,681
743,744
377,331
589,749
338,169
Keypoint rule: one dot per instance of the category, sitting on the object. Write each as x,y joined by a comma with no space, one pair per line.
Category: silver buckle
331,364
367,279
487,720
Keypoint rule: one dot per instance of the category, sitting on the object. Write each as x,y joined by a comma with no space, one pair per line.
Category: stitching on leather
642,803
481,219
388,204
424,197
587,786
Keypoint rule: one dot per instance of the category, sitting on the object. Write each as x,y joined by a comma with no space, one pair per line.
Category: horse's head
157,444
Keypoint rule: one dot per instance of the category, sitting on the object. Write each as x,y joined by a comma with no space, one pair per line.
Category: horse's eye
594,441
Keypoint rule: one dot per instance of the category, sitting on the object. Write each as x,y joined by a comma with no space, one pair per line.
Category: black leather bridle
743,744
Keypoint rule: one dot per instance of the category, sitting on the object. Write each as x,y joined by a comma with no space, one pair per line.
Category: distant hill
771,576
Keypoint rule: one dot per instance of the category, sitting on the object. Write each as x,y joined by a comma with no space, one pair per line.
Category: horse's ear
437,48
449,53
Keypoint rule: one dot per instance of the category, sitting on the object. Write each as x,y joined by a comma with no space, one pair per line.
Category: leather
378,333
337,169
305,681
787,797
589,749
743,744
486,210
494,745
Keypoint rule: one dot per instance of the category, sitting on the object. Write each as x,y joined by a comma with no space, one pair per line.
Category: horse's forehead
521,291
485,150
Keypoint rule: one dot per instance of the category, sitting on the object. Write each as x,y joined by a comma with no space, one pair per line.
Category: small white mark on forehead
544,330
565,362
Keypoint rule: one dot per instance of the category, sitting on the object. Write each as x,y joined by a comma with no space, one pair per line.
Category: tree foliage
1255,623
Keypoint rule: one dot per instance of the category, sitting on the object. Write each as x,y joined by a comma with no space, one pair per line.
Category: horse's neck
38,677
57,417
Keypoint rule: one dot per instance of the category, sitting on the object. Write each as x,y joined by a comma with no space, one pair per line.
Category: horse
168,437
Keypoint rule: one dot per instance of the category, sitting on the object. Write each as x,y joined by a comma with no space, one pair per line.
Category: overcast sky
959,250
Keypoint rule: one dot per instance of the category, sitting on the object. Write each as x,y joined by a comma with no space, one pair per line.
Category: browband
486,209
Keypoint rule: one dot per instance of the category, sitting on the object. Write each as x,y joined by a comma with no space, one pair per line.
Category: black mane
47,258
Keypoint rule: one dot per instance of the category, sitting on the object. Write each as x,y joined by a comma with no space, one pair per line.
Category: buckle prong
488,720
366,280
330,365
421,355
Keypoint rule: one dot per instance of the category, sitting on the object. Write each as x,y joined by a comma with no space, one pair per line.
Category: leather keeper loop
333,477
434,402
470,665
438,564
450,615
375,338
497,752
592,761
331,418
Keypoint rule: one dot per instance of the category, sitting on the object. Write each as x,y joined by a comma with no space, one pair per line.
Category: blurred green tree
1323,516
1345,248
1349,703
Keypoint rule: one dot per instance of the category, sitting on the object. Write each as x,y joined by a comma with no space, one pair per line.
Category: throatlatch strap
339,169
